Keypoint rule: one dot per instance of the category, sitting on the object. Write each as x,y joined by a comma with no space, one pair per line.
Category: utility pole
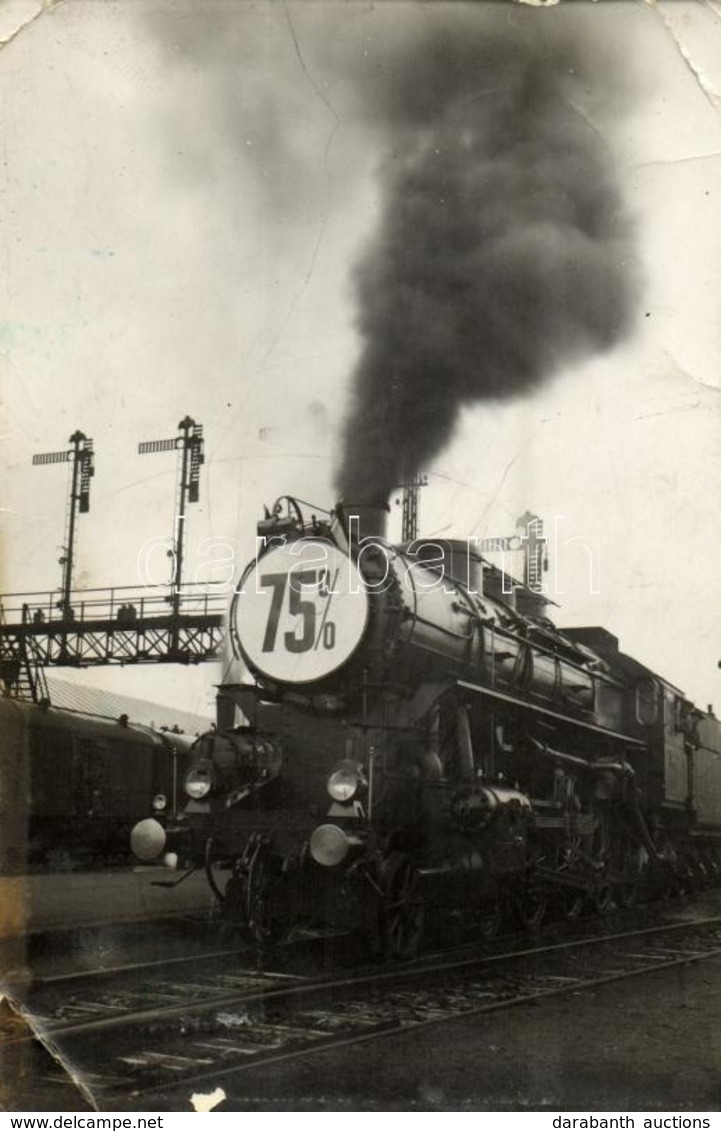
411,490
82,457
535,556
190,443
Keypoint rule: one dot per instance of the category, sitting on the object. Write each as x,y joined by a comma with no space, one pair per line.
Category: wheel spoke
401,910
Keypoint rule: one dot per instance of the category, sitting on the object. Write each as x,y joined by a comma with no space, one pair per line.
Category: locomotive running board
525,705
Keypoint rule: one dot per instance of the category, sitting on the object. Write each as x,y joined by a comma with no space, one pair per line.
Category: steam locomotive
72,786
419,736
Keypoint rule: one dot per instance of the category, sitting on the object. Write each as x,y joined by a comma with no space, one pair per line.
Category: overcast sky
185,190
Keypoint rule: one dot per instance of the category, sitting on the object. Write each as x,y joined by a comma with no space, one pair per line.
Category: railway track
228,1024
88,1001
82,1000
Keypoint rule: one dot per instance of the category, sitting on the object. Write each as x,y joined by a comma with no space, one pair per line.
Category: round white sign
301,611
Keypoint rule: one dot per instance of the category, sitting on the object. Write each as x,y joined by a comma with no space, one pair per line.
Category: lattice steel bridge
152,624
125,625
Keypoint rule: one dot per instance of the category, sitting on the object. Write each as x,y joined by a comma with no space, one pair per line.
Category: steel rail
367,978
127,968
383,1031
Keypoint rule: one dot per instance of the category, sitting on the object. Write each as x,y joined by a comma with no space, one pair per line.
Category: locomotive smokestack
363,520
503,251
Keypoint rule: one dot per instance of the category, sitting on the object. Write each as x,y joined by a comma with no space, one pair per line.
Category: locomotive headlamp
199,782
343,783
159,802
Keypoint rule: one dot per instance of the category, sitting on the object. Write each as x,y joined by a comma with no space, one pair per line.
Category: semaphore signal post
182,623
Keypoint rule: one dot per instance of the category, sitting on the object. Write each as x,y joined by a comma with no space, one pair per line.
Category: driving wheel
401,908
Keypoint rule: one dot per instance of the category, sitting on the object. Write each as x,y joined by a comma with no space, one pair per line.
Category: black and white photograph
360,625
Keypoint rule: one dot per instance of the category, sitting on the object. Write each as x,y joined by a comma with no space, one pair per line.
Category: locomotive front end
277,813
277,807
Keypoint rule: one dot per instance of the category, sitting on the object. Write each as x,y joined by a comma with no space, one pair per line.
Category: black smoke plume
503,252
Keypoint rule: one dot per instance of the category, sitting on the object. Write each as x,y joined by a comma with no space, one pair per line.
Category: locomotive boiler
418,735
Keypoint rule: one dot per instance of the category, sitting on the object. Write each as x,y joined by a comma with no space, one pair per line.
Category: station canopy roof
95,701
